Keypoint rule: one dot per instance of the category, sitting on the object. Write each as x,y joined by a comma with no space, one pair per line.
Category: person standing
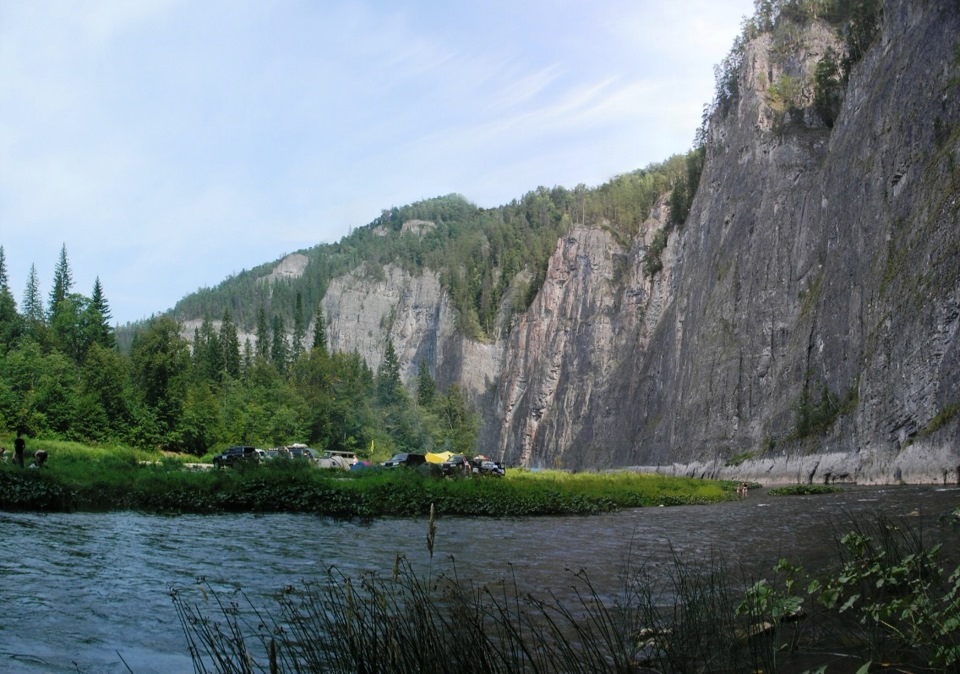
19,447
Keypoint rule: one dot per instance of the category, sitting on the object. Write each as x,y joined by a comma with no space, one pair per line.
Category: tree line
62,376
484,257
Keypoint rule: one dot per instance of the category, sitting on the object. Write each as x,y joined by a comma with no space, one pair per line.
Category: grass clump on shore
804,490
103,479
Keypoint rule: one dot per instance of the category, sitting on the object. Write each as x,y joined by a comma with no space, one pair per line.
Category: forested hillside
476,251
63,375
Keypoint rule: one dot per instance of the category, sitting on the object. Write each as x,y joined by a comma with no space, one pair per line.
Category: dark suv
231,456
404,459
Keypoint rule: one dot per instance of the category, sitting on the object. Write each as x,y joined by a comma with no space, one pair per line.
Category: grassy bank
117,478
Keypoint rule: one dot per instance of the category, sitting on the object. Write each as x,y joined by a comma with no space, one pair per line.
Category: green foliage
940,419
160,366
389,386
827,88
816,417
765,601
783,98
738,459
653,260
426,386
105,478
903,604
481,256
804,490
685,189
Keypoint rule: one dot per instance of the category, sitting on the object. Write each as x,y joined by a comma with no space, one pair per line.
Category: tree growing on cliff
426,387
389,386
319,331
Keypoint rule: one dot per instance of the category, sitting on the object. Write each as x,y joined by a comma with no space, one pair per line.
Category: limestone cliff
363,311
817,279
805,319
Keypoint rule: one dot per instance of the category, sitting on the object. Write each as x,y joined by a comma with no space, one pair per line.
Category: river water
90,592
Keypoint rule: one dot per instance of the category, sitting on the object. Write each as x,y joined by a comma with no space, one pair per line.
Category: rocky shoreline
919,463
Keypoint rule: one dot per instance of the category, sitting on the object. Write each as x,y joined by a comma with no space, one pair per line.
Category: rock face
363,312
817,262
805,320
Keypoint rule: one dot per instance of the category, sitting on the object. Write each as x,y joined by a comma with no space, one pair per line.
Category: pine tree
32,301
320,331
299,331
207,353
97,319
388,376
263,334
4,282
62,283
247,355
279,350
230,344
426,387
10,321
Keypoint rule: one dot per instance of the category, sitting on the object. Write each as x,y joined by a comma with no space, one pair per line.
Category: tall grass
690,618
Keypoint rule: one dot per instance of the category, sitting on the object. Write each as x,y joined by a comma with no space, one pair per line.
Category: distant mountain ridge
796,319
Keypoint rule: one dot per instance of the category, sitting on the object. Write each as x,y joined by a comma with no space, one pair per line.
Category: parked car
409,460
488,467
337,459
303,452
232,456
456,465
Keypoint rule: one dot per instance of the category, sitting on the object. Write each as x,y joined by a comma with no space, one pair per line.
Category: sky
170,144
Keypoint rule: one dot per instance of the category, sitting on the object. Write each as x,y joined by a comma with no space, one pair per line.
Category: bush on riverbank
121,479
886,597
804,490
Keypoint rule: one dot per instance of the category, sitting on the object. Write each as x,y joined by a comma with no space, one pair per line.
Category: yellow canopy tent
439,457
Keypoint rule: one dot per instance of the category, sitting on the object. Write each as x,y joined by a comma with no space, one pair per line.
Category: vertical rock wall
814,262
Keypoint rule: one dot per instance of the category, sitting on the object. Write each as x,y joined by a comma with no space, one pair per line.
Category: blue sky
171,143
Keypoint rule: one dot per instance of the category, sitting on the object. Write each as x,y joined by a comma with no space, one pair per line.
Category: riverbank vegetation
117,478
887,601
804,490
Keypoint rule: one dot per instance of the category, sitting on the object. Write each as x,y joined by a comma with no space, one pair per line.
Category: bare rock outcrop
804,325
812,302
363,311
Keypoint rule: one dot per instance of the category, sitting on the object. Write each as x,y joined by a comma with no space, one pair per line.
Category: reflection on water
89,592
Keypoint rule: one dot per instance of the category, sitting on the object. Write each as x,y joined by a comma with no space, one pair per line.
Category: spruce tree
97,319
32,301
263,334
279,350
299,331
62,283
4,282
426,387
230,344
388,376
10,321
320,331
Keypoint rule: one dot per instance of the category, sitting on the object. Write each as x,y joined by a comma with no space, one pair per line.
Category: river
89,592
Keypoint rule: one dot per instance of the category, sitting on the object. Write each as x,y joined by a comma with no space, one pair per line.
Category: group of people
742,489
20,449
